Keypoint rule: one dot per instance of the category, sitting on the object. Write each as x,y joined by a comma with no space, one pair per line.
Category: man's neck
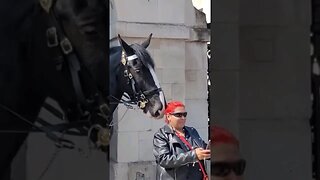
180,131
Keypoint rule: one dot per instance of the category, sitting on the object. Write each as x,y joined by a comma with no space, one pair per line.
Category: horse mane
143,55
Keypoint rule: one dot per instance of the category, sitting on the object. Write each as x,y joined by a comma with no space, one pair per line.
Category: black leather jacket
174,159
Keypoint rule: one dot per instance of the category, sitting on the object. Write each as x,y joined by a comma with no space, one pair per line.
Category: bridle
139,97
58,42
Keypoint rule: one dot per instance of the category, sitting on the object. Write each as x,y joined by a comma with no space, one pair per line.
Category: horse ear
129,51
146,43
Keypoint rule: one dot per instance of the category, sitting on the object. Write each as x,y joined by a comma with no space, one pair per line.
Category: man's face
176,119
226,160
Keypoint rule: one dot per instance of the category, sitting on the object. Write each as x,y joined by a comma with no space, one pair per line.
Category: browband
132,57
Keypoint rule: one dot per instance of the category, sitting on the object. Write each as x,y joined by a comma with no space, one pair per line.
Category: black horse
58,49
132,75
132,72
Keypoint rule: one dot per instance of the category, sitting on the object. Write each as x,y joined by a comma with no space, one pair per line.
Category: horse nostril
157,113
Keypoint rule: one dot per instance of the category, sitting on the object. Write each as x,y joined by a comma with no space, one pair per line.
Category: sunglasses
223,169
179,114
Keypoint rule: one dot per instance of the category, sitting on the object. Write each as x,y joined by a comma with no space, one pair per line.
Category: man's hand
203,153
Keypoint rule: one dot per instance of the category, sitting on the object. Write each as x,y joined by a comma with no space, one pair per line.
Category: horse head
138,79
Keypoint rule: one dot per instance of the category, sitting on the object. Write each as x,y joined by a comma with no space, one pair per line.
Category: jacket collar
168,129
175,139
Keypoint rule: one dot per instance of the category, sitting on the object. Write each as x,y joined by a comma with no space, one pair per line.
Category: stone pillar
178,48
262,83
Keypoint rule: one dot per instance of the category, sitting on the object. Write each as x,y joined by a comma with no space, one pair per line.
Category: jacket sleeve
204,144
166,158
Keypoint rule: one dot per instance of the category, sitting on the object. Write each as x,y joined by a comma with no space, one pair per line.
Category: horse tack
103,137
66,46
52,37
123,58
55,35
56,38
141,98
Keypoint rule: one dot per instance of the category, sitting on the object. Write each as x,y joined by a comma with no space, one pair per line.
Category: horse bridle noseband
139,97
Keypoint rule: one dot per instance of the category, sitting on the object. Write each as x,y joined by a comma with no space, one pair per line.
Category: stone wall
261,73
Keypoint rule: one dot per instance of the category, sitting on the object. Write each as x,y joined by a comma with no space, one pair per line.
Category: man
226,163
178,149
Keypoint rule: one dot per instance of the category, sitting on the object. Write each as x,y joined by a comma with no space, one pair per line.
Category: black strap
75,69
74,66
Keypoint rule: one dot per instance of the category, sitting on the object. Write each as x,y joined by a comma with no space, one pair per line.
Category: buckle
126,74
142,103
104,109
130,76
66,46
52,37
103,137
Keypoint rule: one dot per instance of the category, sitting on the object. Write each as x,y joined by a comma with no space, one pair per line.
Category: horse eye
134,63
137,70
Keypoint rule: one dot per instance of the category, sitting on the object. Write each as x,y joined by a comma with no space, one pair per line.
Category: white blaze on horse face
156,81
